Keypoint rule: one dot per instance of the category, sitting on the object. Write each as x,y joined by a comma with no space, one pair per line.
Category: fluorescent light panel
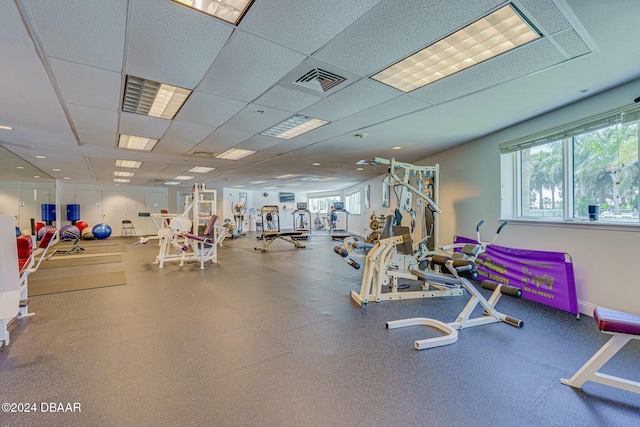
122,180
227,10
294,126
152,98
289,175
496,33
201,169
171,183
122,173
128,164
234,154
183,178
136,142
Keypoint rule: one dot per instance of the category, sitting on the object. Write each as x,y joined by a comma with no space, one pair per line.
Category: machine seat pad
617,321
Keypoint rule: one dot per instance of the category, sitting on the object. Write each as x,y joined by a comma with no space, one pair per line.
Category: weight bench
624,327
288,236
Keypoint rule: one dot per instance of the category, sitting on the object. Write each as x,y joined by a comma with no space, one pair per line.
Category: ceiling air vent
320,80
203,154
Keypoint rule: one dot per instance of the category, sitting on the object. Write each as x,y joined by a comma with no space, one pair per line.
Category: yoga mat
56,285
73,260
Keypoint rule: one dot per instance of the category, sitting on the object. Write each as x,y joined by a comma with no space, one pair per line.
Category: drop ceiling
65,62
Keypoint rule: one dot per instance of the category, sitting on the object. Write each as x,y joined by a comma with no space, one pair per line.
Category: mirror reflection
23,190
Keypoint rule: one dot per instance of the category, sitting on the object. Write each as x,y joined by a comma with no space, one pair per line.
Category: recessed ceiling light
152,98
171,183
227,10
315,164
289,175
123,180
397,147
136,142
238,186
234,154
294,126
183,178
201,169
4,127
257,182
496,33
55,170
122,173
128,164
20,167
359,169
41,157
65,177
36,176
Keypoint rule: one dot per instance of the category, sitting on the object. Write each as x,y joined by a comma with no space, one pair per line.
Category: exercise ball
87,234
39,225
43,230
69,232
81,225
18,232
101,231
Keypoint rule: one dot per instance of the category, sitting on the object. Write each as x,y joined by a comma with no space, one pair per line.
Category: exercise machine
178,243
270,218
394,255
623,327
75,248
335,217
17,262
302,218
455,269
236,228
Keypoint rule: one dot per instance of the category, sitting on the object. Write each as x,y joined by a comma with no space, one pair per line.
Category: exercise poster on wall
544,277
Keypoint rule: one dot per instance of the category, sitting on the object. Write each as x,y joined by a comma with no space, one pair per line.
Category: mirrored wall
23,190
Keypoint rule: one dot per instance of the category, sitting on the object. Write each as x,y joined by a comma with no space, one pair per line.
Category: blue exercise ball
101,231
69,232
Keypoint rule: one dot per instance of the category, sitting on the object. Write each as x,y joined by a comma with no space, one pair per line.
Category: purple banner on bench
544,277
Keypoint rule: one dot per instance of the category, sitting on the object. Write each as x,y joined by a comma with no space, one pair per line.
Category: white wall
116,203
604,257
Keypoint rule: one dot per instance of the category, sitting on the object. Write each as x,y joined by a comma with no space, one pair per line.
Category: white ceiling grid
243,81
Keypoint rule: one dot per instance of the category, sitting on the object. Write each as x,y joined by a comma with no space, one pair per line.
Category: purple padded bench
624,327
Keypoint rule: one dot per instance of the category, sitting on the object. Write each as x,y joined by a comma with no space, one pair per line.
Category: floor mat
73,260
47,286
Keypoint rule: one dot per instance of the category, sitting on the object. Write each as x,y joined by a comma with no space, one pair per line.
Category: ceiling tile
95,126
141,125
248,66
73,31
24,84
173,44
181,137
545,14
395,29
87,86
354,98
221,140
310,23
208,110
255,119
259,143
286,98
571,43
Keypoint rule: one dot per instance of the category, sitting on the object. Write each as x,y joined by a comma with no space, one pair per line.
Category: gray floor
274,340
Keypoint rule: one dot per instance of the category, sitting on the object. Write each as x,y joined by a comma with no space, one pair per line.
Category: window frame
511,167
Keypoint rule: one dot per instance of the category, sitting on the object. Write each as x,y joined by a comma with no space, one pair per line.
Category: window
322,204
352,203
585,171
